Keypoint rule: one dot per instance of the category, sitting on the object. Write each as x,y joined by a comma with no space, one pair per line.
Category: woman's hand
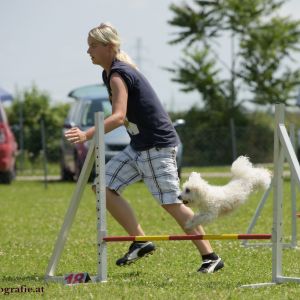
75,135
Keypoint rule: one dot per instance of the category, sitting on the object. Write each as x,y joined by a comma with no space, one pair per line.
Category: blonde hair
106,34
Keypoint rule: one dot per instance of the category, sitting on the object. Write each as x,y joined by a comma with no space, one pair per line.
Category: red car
8,149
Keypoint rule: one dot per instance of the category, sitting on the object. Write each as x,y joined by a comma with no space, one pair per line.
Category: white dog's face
193,189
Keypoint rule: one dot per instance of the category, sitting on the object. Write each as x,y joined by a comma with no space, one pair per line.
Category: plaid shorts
157,167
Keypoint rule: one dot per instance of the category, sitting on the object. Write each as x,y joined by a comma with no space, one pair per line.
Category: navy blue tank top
147,123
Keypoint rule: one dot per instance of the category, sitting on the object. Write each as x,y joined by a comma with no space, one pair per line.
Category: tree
261,69
33,105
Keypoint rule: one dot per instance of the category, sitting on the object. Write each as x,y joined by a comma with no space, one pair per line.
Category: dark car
88,100
8,149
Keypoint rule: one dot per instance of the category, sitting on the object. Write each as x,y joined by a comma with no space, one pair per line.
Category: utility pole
138,55
233,97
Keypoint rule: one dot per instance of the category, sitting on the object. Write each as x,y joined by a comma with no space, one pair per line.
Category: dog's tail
257,177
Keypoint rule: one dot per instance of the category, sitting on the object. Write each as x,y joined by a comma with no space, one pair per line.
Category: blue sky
44,42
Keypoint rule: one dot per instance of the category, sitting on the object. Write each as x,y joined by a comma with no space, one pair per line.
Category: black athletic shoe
211,266
136,251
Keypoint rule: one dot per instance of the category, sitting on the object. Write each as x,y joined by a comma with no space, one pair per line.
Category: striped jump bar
187,237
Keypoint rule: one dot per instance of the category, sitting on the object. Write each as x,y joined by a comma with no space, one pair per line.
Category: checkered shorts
156,167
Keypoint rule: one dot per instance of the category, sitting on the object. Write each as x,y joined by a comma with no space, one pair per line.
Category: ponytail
124,57
107,34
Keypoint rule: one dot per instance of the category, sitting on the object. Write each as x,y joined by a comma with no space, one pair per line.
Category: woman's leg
122,212
182,214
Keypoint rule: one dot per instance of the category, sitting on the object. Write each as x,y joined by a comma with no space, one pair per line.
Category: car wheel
65,175
6,177
78,168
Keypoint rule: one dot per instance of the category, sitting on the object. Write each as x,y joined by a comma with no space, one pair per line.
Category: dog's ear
194,176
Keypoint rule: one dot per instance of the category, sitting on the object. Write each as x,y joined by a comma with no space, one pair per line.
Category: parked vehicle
88,100
8,149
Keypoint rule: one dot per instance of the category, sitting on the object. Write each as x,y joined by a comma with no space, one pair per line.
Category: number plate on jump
76,278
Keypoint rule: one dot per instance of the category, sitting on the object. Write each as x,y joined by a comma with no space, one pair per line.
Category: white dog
215,201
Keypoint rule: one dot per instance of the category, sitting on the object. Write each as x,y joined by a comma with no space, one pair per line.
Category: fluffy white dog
214,201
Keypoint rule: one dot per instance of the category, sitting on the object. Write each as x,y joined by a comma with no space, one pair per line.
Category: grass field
31,217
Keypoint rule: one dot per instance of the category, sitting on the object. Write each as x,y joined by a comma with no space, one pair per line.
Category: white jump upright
95,154
293,242
100,199
282,148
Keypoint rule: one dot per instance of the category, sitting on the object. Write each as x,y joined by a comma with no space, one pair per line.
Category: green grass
38,169
32,216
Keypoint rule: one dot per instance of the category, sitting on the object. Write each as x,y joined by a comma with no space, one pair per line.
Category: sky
43,42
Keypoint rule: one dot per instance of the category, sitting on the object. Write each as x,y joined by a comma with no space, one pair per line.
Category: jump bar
187,237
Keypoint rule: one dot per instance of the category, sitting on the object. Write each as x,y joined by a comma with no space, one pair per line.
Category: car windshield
92,106
89,91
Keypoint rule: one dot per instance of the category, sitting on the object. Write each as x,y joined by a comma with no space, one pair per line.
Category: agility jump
294,215
282,148
187,237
